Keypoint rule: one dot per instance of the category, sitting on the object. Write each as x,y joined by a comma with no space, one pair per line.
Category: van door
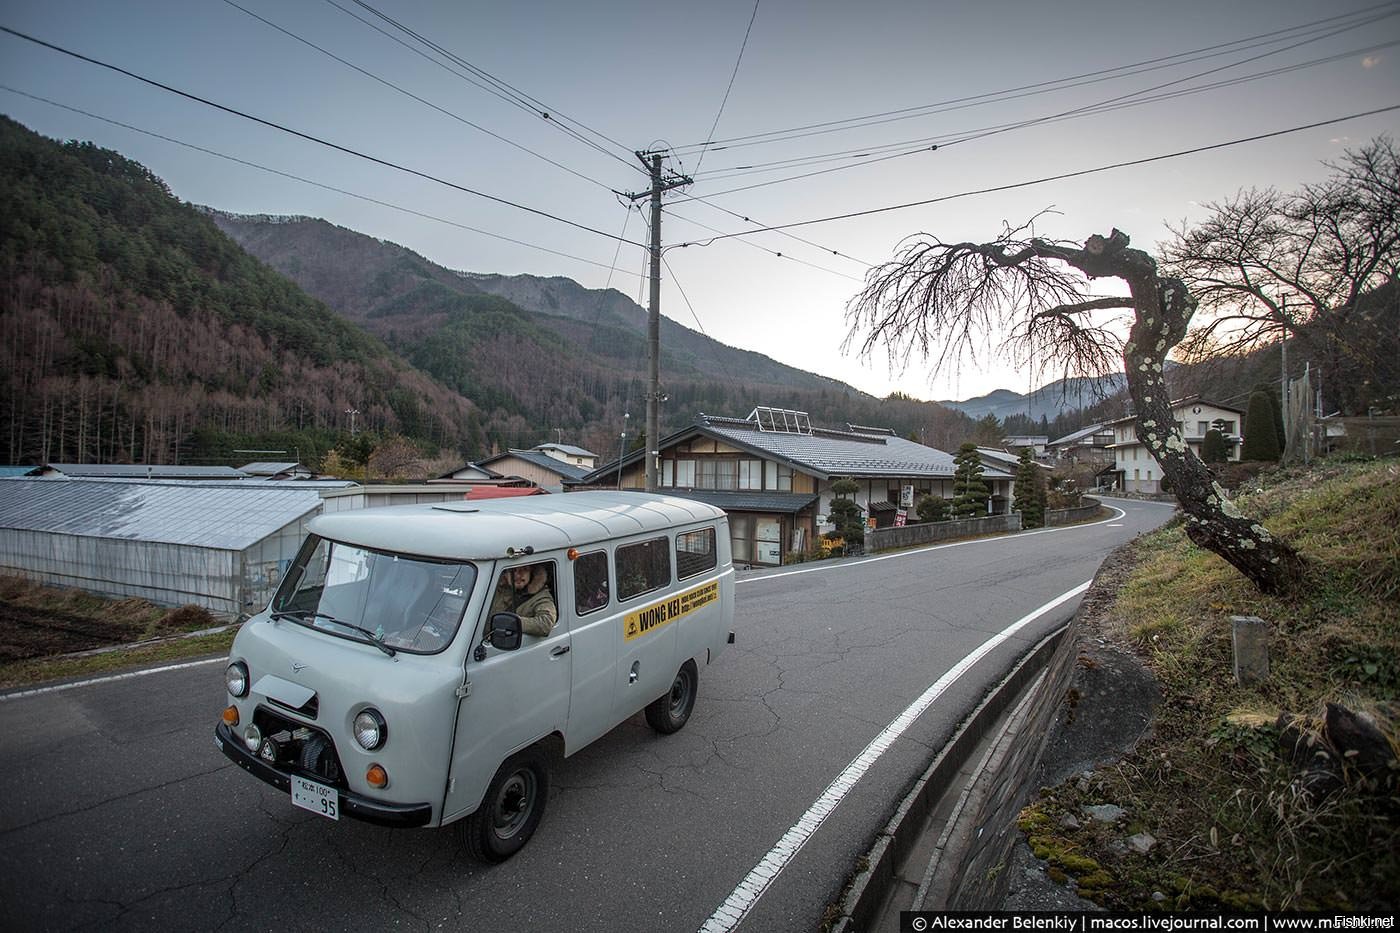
646,661
593,626
513,699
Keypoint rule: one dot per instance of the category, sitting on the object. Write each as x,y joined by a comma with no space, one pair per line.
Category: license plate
318,798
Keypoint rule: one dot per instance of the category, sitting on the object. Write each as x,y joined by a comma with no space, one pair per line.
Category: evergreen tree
1028,502
1213,447
969,489
845,513
932,508
1260,439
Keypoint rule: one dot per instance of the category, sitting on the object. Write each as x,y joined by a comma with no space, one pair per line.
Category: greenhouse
223,546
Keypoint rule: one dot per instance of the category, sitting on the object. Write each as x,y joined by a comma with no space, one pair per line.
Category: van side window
643,567
591,582
695,552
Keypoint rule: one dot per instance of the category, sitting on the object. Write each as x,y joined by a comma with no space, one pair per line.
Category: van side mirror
504,634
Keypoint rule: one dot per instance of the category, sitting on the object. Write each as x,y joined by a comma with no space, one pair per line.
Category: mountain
1051,401
536,354
133,329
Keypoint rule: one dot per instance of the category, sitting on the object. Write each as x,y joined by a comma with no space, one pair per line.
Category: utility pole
651,161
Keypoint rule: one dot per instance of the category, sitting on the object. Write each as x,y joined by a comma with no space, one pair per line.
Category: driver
525,592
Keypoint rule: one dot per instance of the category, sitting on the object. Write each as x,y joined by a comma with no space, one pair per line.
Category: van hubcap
514,803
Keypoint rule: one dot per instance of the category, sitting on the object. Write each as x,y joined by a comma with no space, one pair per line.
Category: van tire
511,809
670,711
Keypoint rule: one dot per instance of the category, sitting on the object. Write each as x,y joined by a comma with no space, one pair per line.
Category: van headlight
236,679
370,729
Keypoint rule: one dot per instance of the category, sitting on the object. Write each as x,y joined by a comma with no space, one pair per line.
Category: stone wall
885,539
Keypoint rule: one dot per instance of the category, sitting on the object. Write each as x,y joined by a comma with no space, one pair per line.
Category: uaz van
420,665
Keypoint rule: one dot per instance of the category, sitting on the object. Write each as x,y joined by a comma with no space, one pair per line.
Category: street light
352,412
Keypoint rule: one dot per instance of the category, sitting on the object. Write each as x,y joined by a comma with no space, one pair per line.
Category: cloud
1370,61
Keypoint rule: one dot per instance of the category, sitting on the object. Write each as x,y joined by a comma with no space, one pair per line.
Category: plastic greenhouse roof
221,516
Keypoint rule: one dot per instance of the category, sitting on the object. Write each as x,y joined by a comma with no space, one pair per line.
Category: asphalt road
119,812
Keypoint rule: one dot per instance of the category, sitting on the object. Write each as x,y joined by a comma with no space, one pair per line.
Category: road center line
743,898
20,694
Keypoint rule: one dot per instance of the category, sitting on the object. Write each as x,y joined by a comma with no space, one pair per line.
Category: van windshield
393,601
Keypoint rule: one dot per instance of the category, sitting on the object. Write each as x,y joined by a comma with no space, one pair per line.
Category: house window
695,552
643,567
685,474
777,476
1226,427
717,474
1202,427
750,474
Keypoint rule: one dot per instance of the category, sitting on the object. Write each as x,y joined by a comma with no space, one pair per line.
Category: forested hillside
536,354
133,329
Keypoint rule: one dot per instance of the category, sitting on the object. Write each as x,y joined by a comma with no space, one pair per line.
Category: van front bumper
402,815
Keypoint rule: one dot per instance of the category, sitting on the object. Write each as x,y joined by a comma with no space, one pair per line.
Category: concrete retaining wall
885,539
1055,517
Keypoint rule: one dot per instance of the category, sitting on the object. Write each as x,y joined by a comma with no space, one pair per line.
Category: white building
1135,469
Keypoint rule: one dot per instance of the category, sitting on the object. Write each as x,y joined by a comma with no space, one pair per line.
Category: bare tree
941,300
1309,265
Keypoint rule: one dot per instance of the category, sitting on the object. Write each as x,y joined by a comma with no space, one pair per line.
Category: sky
768,82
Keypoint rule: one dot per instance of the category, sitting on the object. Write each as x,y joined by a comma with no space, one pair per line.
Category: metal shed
218,545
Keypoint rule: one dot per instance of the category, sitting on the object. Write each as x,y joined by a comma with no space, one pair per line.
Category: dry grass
1234,829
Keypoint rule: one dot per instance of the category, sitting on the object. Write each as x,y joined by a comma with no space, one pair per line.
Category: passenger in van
525,592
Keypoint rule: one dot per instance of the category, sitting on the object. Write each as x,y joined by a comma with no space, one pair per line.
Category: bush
932,509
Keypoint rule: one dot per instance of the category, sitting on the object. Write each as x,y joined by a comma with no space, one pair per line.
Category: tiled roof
566,470
567,449
1079,435
822,453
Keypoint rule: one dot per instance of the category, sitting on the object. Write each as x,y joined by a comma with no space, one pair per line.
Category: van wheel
669,712
510,811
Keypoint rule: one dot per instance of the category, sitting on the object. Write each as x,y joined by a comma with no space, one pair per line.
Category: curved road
119,812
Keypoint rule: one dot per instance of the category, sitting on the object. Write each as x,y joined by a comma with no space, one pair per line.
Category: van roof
484,530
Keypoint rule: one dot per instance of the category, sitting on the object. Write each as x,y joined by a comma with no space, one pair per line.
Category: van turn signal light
231,716
377,776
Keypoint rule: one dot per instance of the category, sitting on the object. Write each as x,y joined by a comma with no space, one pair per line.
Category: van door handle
560,651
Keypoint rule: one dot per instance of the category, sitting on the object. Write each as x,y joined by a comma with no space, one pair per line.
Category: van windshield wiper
376,640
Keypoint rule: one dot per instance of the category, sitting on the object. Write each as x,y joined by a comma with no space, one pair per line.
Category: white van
393,678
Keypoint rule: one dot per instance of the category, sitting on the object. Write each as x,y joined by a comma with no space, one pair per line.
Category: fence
1088,510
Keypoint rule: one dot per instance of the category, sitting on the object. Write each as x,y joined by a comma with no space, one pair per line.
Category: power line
310,138
1048,178
1026,90
1117,103
514,95
317,184
743,45
774,253
960,136
421,100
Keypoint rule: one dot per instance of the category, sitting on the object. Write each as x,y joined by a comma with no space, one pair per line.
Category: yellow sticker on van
650,618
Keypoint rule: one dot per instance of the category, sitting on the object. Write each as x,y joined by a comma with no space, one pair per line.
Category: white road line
20,694
743,898
936,547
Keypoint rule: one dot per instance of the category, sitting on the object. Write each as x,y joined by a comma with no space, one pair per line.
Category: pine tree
969,489
932,508
1028,484
845,513
1260,440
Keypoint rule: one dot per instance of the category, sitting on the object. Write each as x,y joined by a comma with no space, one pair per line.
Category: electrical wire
309,137
318,184
1048,178
944,138
407,93
1025,90
514,95
734,74
761,248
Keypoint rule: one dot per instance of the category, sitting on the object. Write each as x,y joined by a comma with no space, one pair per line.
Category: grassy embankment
1212,783
47,633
